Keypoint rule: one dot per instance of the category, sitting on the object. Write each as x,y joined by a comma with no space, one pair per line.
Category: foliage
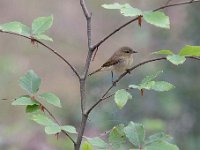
134,133
39,26
157,18
180,58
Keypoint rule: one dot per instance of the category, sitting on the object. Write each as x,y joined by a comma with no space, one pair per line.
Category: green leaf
113,6
117,136
51,99
41,24
162,86
157,137
125,9
135,133
43,120
32,108
134,86
43,37
164,52
151,77
121,97
176,59
128,10
52,129
161,145
30,82
147,85
24,101
190,51
69,129
16,27
97,142
86,146
157,18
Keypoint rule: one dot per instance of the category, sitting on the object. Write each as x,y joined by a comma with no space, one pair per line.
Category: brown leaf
142,92
140,20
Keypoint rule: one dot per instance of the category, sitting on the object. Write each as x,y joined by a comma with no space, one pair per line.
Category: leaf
112,6
16,27
147,85
43,120
176,59
125,9
151,77
190,51
128,10
157,137
86,146
161,145
51,99
24,101
32,108
69,129
162,86
134,86
41,24
117,136
157,18
140,20
43,37
121,97
135,133
52,129
164,52
97,142
30,82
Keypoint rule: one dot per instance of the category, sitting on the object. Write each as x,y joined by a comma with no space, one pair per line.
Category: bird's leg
113,78
128,71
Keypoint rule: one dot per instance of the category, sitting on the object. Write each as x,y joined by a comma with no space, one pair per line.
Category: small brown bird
119,62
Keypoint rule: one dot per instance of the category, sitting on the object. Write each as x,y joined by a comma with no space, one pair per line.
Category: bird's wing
111,62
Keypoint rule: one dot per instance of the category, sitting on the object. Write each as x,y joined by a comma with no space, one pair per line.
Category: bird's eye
126,51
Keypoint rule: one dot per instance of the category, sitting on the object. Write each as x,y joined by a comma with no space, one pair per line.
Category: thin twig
135,19
49,48
103,97
54,118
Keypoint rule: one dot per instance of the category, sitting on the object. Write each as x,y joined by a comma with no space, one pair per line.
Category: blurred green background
176,112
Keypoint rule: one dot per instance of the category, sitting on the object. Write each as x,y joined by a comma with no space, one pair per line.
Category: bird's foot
113,83
128,71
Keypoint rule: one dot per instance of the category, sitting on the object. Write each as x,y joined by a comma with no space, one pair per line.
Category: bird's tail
95,71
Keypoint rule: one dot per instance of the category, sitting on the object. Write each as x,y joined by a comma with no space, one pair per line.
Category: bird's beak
135,52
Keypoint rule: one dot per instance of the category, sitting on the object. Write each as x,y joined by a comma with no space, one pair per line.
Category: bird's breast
123,65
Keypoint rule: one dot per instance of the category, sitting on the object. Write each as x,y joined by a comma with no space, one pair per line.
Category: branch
49,48
103,97
135,19
54,118
85,73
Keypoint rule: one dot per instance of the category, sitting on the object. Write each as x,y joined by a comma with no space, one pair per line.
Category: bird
119,62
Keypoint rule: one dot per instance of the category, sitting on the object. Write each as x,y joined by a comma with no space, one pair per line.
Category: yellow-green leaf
157,18
51,99
190,51
41,24
121,97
